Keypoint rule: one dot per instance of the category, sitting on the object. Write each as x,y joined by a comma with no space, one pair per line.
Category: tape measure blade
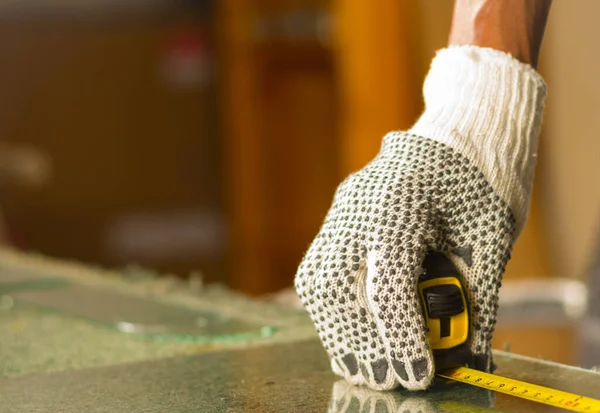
524,390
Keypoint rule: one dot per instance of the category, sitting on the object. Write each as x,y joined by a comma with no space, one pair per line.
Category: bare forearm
512,26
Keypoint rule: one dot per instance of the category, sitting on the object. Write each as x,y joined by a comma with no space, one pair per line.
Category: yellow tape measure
523,390
445,308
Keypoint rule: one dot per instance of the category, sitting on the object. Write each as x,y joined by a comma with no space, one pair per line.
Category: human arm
512,26
458,182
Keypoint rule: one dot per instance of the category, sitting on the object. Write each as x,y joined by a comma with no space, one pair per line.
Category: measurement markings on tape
523,390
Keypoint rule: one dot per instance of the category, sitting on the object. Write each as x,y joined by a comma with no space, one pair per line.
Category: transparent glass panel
129,313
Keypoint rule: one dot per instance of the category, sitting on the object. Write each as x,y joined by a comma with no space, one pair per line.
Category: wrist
488,106
512,26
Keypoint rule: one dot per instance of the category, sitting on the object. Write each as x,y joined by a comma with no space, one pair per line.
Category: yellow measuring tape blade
523,390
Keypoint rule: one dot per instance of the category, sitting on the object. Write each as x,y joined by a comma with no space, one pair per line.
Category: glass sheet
134,314
277,378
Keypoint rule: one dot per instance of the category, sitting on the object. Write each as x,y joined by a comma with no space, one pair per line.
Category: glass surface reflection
346,398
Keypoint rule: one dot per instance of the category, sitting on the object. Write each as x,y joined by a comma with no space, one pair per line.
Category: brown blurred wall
571,173
134,153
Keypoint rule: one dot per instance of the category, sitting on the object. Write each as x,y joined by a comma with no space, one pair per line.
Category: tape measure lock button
443,301
445,307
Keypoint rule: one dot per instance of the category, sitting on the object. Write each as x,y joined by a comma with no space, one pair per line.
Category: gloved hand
458,182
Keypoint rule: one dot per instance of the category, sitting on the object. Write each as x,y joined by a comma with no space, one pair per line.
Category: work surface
280,378
79,339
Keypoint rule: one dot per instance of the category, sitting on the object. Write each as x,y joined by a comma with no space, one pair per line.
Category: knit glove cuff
488,106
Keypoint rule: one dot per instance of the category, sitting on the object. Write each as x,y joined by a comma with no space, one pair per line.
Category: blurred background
210,135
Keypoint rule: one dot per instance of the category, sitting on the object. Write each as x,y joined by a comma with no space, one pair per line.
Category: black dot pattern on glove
358,279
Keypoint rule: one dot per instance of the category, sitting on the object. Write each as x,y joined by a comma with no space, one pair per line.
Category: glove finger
393,299
330,296
313,282
349,329
341,313
366,342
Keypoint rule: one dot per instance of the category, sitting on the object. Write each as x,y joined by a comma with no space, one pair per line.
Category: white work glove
458,182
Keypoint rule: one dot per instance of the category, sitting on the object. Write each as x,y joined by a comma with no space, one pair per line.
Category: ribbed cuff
488,106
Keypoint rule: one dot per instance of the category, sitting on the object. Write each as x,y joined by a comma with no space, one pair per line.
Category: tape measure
445,307
522,389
